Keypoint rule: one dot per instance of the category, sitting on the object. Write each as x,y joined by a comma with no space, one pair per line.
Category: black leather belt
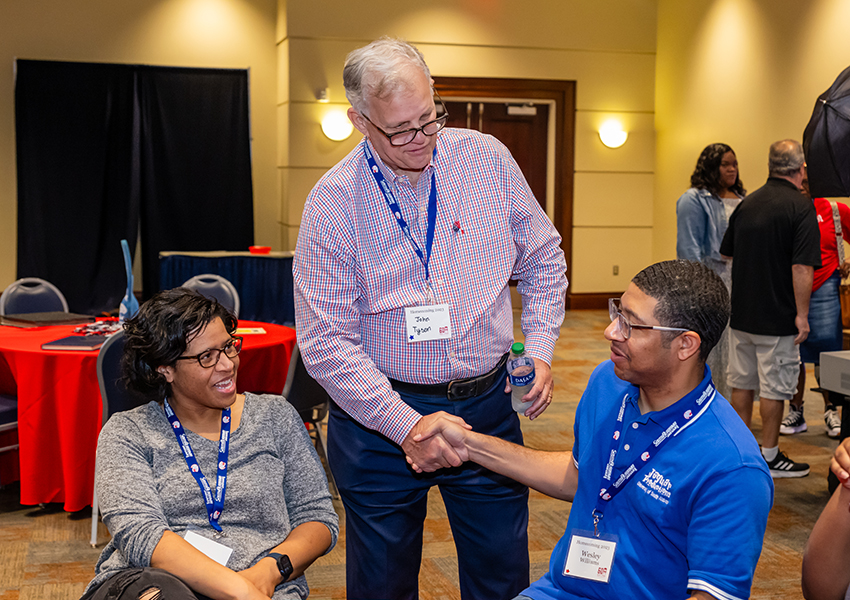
459,389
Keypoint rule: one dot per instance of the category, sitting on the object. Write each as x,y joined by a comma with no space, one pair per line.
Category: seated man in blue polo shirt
670,492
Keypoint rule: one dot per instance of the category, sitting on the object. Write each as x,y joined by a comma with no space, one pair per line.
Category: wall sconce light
612,134
336,126
323,96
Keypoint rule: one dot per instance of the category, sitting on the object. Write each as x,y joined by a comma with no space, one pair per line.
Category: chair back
8,419
31,295
303,392
115,395
116,398
218,288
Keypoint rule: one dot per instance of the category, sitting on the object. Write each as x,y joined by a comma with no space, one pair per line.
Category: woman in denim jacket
702,215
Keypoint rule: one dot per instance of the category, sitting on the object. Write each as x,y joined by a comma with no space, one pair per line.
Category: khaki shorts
767,363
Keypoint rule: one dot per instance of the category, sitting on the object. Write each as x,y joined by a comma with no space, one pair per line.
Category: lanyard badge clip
597,516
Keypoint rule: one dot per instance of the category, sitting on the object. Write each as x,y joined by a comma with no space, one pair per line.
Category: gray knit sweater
275,482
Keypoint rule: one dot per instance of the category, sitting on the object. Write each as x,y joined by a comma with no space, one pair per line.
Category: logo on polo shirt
656,486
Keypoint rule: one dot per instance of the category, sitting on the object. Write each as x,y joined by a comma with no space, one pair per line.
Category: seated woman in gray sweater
207,493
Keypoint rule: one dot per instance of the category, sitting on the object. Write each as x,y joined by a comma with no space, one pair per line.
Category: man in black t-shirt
774,239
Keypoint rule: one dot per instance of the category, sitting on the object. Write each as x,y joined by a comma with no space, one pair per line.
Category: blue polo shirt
692,518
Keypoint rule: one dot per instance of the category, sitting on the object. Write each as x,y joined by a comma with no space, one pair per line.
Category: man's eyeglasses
210,358
402,138
624,328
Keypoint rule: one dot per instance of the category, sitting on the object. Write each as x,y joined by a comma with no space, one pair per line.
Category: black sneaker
833,421
794,421
782,466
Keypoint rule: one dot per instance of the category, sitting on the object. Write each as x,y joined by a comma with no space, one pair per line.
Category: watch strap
284,565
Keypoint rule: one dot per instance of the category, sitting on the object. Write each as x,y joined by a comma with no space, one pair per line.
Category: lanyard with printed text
215,504
701,398
395,209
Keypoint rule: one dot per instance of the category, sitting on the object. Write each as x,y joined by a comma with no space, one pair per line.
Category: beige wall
194,33
745,72
607,47
742,72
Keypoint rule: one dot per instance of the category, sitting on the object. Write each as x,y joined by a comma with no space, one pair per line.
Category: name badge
430,322
590,557
218,552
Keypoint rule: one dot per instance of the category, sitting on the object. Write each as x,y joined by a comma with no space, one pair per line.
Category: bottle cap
518,348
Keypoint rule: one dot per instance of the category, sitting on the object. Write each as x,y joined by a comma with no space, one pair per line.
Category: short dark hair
689,295
706,175
160,333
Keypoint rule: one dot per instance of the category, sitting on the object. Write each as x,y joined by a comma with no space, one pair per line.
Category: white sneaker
833,421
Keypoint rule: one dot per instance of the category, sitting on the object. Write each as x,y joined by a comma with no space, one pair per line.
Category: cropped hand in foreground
840,463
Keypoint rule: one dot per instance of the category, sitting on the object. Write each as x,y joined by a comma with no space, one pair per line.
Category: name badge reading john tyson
430,322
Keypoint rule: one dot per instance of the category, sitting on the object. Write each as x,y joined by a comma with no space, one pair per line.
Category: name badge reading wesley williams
590,557
430,322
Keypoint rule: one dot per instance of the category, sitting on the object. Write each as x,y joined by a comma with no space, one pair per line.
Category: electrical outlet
616,269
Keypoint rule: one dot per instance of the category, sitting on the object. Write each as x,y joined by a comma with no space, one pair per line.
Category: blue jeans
386,503
824,321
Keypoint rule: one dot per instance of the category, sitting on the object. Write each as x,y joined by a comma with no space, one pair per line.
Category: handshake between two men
439,440
552,473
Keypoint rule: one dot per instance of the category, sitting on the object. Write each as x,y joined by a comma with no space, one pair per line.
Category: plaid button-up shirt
355,272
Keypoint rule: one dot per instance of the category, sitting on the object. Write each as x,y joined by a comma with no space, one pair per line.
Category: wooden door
521,136
523,128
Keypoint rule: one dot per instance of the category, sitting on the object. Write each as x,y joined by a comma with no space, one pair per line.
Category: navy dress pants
386,503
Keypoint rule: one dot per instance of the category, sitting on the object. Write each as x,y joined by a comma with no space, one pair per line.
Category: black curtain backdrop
101,147
196,163
74,127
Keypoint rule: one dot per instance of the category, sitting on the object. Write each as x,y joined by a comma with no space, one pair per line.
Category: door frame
563,93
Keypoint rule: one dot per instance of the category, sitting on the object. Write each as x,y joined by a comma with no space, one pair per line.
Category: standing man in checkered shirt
404,315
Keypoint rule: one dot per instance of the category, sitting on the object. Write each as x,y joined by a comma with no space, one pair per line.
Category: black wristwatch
284,565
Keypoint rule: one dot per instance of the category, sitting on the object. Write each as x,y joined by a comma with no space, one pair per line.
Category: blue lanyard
700,398
395,209
215,504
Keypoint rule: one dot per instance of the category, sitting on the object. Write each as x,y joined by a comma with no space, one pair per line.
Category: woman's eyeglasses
210,358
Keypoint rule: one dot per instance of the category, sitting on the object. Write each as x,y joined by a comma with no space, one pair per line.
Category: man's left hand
539,397
802,324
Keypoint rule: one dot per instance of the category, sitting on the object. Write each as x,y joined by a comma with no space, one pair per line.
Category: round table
59,403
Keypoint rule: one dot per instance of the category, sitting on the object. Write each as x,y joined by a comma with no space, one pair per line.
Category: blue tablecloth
264,281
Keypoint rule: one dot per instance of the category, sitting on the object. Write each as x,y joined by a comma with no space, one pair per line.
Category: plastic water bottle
520,375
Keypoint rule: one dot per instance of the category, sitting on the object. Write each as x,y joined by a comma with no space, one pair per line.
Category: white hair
785,158
380,69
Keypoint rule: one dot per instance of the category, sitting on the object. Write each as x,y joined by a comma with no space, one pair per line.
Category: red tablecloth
59,404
